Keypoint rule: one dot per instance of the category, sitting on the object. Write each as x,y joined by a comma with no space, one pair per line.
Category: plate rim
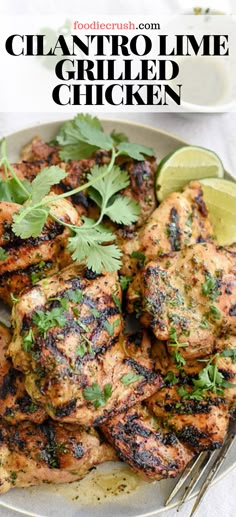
172,136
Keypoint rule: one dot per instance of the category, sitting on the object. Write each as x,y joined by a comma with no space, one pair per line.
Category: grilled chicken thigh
179,221
29,260
158,437
141,441
15,403
188,298
200,421
75,365
33,454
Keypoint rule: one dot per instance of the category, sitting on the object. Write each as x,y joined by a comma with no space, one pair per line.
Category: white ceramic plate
110,489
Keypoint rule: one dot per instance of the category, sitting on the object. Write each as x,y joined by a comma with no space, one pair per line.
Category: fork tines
194,471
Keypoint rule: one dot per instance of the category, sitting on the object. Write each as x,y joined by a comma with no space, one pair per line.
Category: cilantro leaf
84,347
81,350
3,254
215,312
135,151
210,288
46,320
81,137
125,281
75,295
229,353
13,192
77,151
110,327
115,181
118,137
70,133
130,378
117,302
89,245
31,224
123,210
91,134
44,180
171,378
139,256
97,396
174,342
12,189
28,341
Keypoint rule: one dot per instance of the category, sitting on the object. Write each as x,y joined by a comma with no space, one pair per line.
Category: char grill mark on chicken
77,368
180,220
201,419
29,260
141,441
33,454
15,403
190,295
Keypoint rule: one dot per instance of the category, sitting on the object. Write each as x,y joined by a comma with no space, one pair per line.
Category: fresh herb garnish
125,281
14,299
46,320
95,312
177,356
204,324
85,347
38,275
117,302
140,256
130,378
171,378
110,327
12,189
3,254
74,296
90,241
97,396
28,341
210,288
229,353
120,209
215,312
209,379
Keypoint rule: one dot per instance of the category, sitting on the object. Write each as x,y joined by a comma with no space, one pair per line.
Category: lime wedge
184,165
220,198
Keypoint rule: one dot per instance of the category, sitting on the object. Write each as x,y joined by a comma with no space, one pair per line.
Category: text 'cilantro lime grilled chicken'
15,403
32,454
28,260
68,340
180,220
188,298
148,448
191,403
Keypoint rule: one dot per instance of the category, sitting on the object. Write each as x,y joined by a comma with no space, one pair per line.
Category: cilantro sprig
208,379
174,342
96,395
90,242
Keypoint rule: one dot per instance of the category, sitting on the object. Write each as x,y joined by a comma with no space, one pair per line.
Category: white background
214,131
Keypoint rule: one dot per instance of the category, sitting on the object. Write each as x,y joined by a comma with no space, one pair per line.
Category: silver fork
194,471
